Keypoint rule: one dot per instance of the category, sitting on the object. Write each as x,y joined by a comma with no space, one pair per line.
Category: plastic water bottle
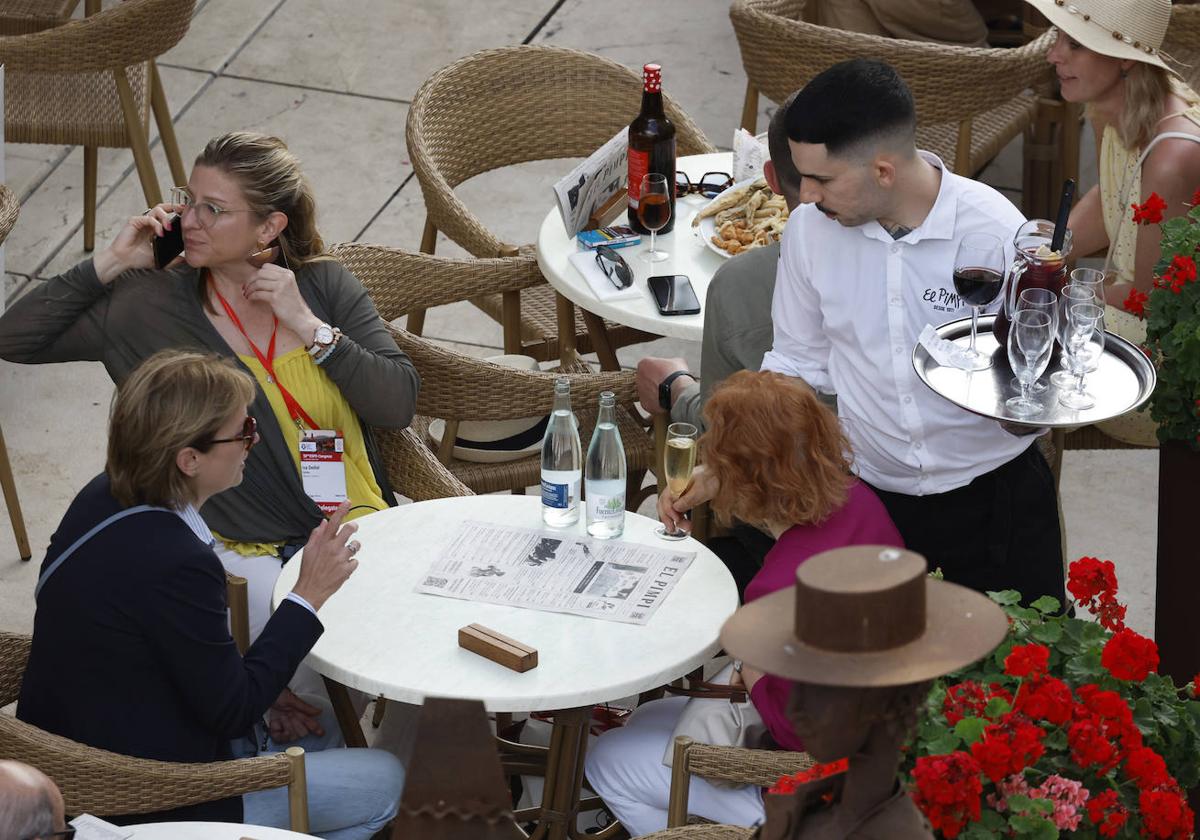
562,461
605,482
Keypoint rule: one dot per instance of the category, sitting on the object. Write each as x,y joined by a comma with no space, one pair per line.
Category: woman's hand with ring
133,247
328,559
671,509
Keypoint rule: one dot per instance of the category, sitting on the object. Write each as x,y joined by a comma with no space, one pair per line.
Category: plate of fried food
747,215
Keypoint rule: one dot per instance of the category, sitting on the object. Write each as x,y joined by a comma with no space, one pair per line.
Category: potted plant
1172,314
1065,730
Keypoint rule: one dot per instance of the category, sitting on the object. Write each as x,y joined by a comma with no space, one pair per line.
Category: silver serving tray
1123,381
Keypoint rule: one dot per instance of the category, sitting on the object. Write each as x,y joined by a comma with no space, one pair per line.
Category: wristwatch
664,388
322,338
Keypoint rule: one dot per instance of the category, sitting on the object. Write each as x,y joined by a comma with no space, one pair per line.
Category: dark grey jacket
73,317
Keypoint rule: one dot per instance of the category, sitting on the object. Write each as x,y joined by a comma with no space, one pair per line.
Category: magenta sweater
862,520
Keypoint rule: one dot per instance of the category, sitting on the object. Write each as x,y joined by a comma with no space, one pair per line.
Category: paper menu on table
593,182
88,827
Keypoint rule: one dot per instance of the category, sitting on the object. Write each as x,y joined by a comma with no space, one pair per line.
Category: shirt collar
195,521
938,223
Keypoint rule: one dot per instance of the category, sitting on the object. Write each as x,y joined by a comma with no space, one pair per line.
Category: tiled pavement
334,79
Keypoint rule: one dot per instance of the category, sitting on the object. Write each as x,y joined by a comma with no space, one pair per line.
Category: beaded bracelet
337,336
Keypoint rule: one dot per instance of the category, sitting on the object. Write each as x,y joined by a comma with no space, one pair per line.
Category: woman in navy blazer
131,645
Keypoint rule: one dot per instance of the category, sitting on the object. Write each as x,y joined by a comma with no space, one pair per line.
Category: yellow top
320,397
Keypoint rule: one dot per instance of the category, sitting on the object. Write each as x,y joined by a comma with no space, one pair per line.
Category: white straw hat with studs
1126,29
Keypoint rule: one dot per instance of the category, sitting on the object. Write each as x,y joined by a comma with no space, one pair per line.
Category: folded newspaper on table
556,572
593,182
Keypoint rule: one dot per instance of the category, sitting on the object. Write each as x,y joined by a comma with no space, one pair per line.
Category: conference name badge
322,469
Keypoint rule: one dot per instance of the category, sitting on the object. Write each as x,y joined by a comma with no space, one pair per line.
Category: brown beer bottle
651,146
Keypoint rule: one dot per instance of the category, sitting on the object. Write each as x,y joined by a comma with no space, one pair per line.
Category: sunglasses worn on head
246,438
614,266
710,185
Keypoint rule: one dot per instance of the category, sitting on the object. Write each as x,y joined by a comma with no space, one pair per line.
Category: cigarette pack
614,237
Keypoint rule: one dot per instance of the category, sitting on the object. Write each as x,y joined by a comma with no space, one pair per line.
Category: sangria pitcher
1037,266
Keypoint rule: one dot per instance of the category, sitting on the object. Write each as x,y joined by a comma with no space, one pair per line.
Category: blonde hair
174,399
779,453
270,178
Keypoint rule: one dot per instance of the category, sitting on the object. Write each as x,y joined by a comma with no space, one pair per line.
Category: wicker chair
99,782
20,17
970,102
1183,42
702,832
730,764
92,83
456,387
506,106
10,208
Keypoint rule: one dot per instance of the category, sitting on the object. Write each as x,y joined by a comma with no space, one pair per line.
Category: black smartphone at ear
170,245
674,294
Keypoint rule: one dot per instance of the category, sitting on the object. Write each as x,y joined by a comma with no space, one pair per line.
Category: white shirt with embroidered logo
849,305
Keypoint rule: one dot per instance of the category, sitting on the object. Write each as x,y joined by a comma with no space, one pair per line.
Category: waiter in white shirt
866,262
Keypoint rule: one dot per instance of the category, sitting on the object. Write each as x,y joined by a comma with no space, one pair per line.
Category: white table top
209,831
689,255
381,637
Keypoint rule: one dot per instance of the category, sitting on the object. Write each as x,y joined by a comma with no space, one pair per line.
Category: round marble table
689,255
383,638
210,831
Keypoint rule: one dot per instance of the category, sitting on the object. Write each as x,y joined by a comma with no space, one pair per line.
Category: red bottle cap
652,78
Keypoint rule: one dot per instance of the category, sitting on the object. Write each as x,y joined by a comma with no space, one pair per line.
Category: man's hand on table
705,485
650,372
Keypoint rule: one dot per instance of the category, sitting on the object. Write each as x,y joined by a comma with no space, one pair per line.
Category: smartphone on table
674,294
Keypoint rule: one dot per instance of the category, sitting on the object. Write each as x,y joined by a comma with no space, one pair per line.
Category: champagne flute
679,460
654,211
1046,301
1030,341
1083,318
978,280
1072,294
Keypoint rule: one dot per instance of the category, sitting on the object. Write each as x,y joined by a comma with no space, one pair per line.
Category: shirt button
907,400
895,249
897,350
919,445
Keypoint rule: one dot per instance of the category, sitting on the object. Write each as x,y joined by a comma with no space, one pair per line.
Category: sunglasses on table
246,438
614,266
710,185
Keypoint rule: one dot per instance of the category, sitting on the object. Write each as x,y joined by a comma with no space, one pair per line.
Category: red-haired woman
775,457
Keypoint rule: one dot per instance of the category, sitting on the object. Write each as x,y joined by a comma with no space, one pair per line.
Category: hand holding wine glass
978,279
679,460
654,210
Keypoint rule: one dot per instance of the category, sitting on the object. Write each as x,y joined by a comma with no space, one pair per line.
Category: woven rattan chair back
512,105
702,832
731,764
958,91
92,82
99,782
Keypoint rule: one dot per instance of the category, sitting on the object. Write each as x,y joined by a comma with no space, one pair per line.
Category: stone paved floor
334,79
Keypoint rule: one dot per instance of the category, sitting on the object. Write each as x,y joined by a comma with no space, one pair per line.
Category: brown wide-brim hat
865,616
1127,29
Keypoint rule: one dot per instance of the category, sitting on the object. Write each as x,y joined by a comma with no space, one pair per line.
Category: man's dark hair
850,104
781,152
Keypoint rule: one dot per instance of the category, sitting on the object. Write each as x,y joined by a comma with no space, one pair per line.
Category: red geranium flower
1196,686
1135,303
1111,615
1129,655
1106,812
1048,699
1147,769
1165,814
1027,661
1196,198
1008,747
948,791
1090,578
1150,212
1090,747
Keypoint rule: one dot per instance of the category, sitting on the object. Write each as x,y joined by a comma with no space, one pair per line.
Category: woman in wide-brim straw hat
1108,56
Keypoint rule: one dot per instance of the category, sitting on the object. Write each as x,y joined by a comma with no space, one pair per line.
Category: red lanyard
268,362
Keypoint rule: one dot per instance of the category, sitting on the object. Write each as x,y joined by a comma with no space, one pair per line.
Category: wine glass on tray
1030,342
978,279
679,461
1046,301
654,210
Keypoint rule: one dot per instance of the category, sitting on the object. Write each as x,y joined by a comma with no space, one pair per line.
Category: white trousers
625,768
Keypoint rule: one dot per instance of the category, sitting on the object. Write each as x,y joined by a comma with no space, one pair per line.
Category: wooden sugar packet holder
499,648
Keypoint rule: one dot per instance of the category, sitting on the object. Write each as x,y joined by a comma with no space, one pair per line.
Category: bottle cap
652,78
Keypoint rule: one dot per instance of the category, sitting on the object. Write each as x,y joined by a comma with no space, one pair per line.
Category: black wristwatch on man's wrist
664,388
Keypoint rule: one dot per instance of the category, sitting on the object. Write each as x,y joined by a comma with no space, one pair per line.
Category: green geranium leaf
1047,634
1038,828
1005,597
1084,668
945,743
1055,739
1046,605
970,729
996,707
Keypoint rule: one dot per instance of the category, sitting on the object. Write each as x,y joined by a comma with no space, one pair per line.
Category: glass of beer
654,210
679,460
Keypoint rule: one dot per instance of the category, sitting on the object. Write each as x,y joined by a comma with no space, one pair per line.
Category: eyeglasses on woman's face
247,438
207,213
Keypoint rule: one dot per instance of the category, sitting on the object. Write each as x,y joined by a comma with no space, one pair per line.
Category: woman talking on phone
305,328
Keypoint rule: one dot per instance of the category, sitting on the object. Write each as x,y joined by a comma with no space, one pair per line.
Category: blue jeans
352,793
